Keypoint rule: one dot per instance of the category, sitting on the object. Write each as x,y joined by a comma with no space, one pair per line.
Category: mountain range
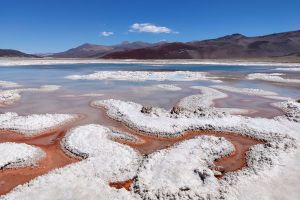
235,46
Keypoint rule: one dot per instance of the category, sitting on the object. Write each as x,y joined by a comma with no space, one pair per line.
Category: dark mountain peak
234,36
85,45
15,53
228,47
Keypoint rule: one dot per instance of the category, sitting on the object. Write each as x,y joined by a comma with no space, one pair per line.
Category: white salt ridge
252,92
273,77
118,135
45,61
291,109
246,91
105,161
183,171
281,137
9,84
33,124
288,69
205,101
145,76
168,87
15,155
9,97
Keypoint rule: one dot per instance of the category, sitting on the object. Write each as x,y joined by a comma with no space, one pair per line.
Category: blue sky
51,26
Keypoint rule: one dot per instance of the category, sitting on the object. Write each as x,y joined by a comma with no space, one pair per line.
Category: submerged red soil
55,157
122,184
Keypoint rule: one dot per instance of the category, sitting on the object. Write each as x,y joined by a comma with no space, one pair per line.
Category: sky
43,26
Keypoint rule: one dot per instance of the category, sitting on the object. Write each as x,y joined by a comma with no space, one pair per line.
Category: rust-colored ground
55,157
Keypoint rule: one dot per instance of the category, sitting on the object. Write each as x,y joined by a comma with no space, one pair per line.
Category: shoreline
13,61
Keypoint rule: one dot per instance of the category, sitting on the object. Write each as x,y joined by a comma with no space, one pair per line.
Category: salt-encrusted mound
183,171
118,135
252,92
281,136
273,77
33,124
163,123
145,76
288,68
105,161
93,142
9,97
246,91
168,87
9,84
15,155
73,182
291,109
205,101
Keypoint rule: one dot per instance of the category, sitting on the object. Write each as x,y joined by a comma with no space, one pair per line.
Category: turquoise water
141,92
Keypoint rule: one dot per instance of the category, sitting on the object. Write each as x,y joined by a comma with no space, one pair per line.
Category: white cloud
106,33
149,28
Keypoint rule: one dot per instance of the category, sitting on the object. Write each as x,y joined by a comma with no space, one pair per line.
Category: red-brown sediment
55,156
122,184
49,142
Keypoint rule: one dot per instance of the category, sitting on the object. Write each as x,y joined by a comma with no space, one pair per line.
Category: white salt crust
281,136
105,161
252,92
183,171
168,87
273,77
291,110
9,84
14,155
205,101
9,97
288,69
119,135
33,124
55,61
145,76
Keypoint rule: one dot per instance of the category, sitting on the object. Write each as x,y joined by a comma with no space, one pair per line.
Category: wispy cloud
106,33
149,28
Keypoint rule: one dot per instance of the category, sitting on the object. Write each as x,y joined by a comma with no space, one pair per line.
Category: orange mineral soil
55,156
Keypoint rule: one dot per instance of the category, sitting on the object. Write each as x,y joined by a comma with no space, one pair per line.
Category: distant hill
233,46
94,51
15,53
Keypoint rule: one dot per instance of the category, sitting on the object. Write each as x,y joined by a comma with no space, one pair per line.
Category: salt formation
145,76
9,84
288,68
183,171
15,155
205,101
106,161
252,92
280,135
33,124
273,77
168,87
291,110
9,97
